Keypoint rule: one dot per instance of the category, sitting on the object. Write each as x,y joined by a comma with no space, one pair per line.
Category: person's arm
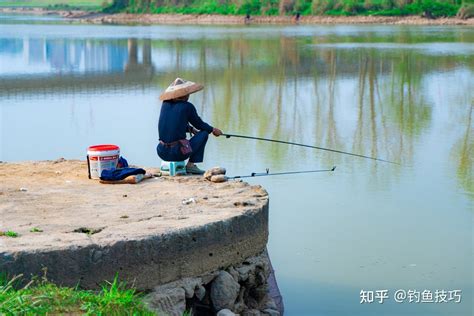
196,121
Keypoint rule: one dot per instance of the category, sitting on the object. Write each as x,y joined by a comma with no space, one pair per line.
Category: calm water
403,93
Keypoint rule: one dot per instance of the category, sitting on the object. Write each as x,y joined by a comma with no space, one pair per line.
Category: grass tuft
43,297
9,233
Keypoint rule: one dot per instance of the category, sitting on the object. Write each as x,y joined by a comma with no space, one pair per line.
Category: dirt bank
122,18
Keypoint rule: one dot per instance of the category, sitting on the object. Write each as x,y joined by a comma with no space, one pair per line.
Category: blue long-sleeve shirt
175,118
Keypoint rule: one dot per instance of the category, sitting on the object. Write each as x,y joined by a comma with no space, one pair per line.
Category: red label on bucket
105,158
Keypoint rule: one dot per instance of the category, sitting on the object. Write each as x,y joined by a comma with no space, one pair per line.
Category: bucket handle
89,167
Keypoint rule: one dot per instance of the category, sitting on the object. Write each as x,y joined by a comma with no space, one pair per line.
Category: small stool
173,168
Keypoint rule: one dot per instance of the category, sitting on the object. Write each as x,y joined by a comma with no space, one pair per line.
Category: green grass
71,4
42,297
433,8
36,230
9,233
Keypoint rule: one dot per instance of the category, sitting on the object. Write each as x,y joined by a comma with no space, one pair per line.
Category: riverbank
181,238
127,18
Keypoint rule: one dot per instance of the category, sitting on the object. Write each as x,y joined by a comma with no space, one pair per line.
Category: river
401,93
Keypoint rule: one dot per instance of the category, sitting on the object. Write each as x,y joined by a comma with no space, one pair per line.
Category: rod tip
333,168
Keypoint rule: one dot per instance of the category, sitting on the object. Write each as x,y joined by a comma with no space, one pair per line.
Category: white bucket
102,157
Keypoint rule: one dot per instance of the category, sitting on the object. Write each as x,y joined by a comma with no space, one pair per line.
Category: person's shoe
194,170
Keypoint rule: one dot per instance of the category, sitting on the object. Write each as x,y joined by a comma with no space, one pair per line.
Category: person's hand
216,132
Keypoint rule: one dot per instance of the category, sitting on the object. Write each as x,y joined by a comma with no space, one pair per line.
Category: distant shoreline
128,18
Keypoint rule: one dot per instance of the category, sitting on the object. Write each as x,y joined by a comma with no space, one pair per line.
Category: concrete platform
143,232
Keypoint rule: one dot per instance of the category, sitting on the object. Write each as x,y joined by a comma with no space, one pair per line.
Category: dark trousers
198,144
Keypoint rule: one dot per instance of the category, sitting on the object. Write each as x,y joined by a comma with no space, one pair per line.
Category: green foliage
323,6
42,297
438,9
303,7
352,6
466,11
252,7
116,6
36,230
270,7
202,7
9,233
429,8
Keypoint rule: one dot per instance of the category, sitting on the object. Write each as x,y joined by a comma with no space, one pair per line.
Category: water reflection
66,56
463,151
281,81
66,66
413,105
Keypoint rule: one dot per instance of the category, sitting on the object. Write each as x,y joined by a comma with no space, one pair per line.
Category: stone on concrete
214,171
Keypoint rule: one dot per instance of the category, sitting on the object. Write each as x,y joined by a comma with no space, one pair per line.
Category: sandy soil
88,17
58,198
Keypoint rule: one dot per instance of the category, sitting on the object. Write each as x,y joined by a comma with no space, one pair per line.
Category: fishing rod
308,146
267,173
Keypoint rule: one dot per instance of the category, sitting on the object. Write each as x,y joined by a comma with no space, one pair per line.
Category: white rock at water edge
225,312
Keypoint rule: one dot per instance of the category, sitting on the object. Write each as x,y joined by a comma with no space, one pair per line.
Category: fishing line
267,173
308,146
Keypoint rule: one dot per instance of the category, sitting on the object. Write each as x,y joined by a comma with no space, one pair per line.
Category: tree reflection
463,152
369,101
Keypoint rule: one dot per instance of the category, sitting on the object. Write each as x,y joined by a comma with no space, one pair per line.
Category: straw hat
180,88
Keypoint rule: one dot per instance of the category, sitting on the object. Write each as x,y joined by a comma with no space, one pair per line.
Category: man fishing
177,117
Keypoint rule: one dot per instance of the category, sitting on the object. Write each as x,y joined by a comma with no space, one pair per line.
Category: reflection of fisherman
175,118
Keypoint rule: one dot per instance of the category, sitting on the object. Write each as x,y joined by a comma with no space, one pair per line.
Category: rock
269,303
251,312
190,285
271,312
168,301
260,292
233,273
225,312
244,272
214,171
59,160
207,278
200,292
224,291
240,304
260,277
252,303
219,178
